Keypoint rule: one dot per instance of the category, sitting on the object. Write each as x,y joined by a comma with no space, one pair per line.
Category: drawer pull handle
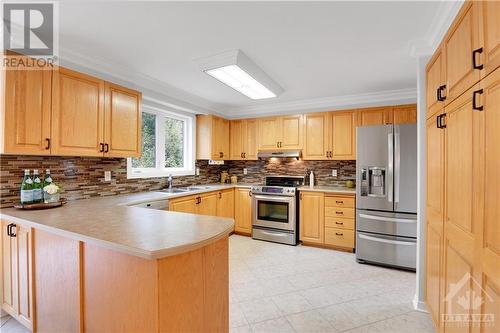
339,213
339,201
339,223
339,234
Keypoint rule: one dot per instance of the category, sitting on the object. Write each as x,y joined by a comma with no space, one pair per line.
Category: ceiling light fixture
236,70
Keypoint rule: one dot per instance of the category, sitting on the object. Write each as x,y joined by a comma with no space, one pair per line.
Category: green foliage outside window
174,143
148,157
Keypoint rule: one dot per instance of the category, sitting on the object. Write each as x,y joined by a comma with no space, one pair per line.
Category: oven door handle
273,198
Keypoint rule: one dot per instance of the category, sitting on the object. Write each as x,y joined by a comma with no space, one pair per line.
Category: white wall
419,300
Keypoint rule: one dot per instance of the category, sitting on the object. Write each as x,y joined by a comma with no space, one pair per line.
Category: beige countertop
113,223
329,189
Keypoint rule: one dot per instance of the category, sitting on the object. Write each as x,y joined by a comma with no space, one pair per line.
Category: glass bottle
37,187
27,188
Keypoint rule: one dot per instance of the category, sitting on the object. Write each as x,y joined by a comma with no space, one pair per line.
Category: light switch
245,171
107,176
334,172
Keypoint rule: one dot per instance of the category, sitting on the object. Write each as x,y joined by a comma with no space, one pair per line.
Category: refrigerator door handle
387,219
390,166
382,240
397,163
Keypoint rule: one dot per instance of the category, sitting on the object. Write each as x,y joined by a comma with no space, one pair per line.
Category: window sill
159,174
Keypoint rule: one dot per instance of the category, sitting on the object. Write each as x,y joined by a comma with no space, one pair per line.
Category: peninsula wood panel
184,205
57,268
27,110
122,130
316,136
312,217
489,14
435,78
25,313
113,296
459,43
243,211
343,135
77,114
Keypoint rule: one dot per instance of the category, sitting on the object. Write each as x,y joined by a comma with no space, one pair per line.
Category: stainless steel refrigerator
386,195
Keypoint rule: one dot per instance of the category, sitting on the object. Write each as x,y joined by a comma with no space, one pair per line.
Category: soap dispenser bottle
311,179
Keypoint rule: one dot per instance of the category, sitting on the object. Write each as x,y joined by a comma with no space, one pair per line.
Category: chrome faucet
170,180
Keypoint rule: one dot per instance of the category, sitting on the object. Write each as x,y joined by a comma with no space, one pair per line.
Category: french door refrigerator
386,195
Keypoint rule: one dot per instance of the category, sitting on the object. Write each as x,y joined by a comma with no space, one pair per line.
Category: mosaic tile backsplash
83,177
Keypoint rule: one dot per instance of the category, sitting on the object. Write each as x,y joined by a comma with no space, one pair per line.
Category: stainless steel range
275,209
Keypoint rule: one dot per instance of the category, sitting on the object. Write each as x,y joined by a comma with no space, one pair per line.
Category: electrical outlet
197,171
334,173
245,171
107,176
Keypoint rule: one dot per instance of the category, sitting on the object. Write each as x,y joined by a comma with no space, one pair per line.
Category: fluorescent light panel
238,79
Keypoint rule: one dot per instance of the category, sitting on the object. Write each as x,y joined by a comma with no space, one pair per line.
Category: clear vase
49,198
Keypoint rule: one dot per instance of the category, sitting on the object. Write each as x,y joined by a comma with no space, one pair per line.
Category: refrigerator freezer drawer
386,250
398,224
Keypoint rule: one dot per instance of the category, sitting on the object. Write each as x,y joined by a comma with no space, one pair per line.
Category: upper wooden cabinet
489,16
435,87
243,139
404,114
280,132
212,136
77,114
330,135
122,130
64,112
26,115
375,116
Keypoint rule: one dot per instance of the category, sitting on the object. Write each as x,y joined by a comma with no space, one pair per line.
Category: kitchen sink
175,190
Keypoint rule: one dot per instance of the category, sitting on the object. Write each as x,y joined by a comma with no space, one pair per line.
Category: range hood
279,154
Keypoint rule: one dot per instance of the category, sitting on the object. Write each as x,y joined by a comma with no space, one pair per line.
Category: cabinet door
268,133
237,136
375,116
312,215
122,131
243,211
184,205
208,204
291,132
489,245
404,114
225,203
435,78
316,136
343,135
25,276
220,138
489,12
434,219
459,43
27,111
77,114
9,271
250,139
463,207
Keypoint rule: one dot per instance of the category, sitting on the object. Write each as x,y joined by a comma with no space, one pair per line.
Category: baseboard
419,305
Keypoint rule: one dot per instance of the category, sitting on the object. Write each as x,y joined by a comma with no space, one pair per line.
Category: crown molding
153,90
380,98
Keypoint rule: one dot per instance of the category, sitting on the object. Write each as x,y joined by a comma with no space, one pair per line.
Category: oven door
272,211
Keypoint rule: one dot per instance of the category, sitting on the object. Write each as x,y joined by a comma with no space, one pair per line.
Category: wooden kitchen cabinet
186,204
489,16
375,116
203,204
404,114
225,203
243,211
435,82
17,273
207,204
280,132
343,133
122,130
316,136
312,217
212,138
243,139
77,114
26,114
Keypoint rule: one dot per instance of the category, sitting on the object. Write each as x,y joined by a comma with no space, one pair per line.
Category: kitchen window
167,145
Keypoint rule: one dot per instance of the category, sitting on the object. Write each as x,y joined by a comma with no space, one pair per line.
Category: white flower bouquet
51,193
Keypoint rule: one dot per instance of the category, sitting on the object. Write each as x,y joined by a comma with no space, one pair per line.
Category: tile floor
277,288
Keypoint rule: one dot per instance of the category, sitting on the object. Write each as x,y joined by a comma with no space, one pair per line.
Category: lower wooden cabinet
327,219
184,204
243,211
17,296
225,203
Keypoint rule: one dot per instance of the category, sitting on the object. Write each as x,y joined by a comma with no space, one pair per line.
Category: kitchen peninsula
104,265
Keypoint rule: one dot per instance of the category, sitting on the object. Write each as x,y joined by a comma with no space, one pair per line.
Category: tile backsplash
83,177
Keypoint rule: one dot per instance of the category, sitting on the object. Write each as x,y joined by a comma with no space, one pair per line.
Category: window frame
189,146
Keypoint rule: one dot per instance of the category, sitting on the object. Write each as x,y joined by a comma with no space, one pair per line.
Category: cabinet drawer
339,237
347,202
347,213
337,222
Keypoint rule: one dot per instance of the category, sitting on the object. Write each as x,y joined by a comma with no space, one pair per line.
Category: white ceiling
321,51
